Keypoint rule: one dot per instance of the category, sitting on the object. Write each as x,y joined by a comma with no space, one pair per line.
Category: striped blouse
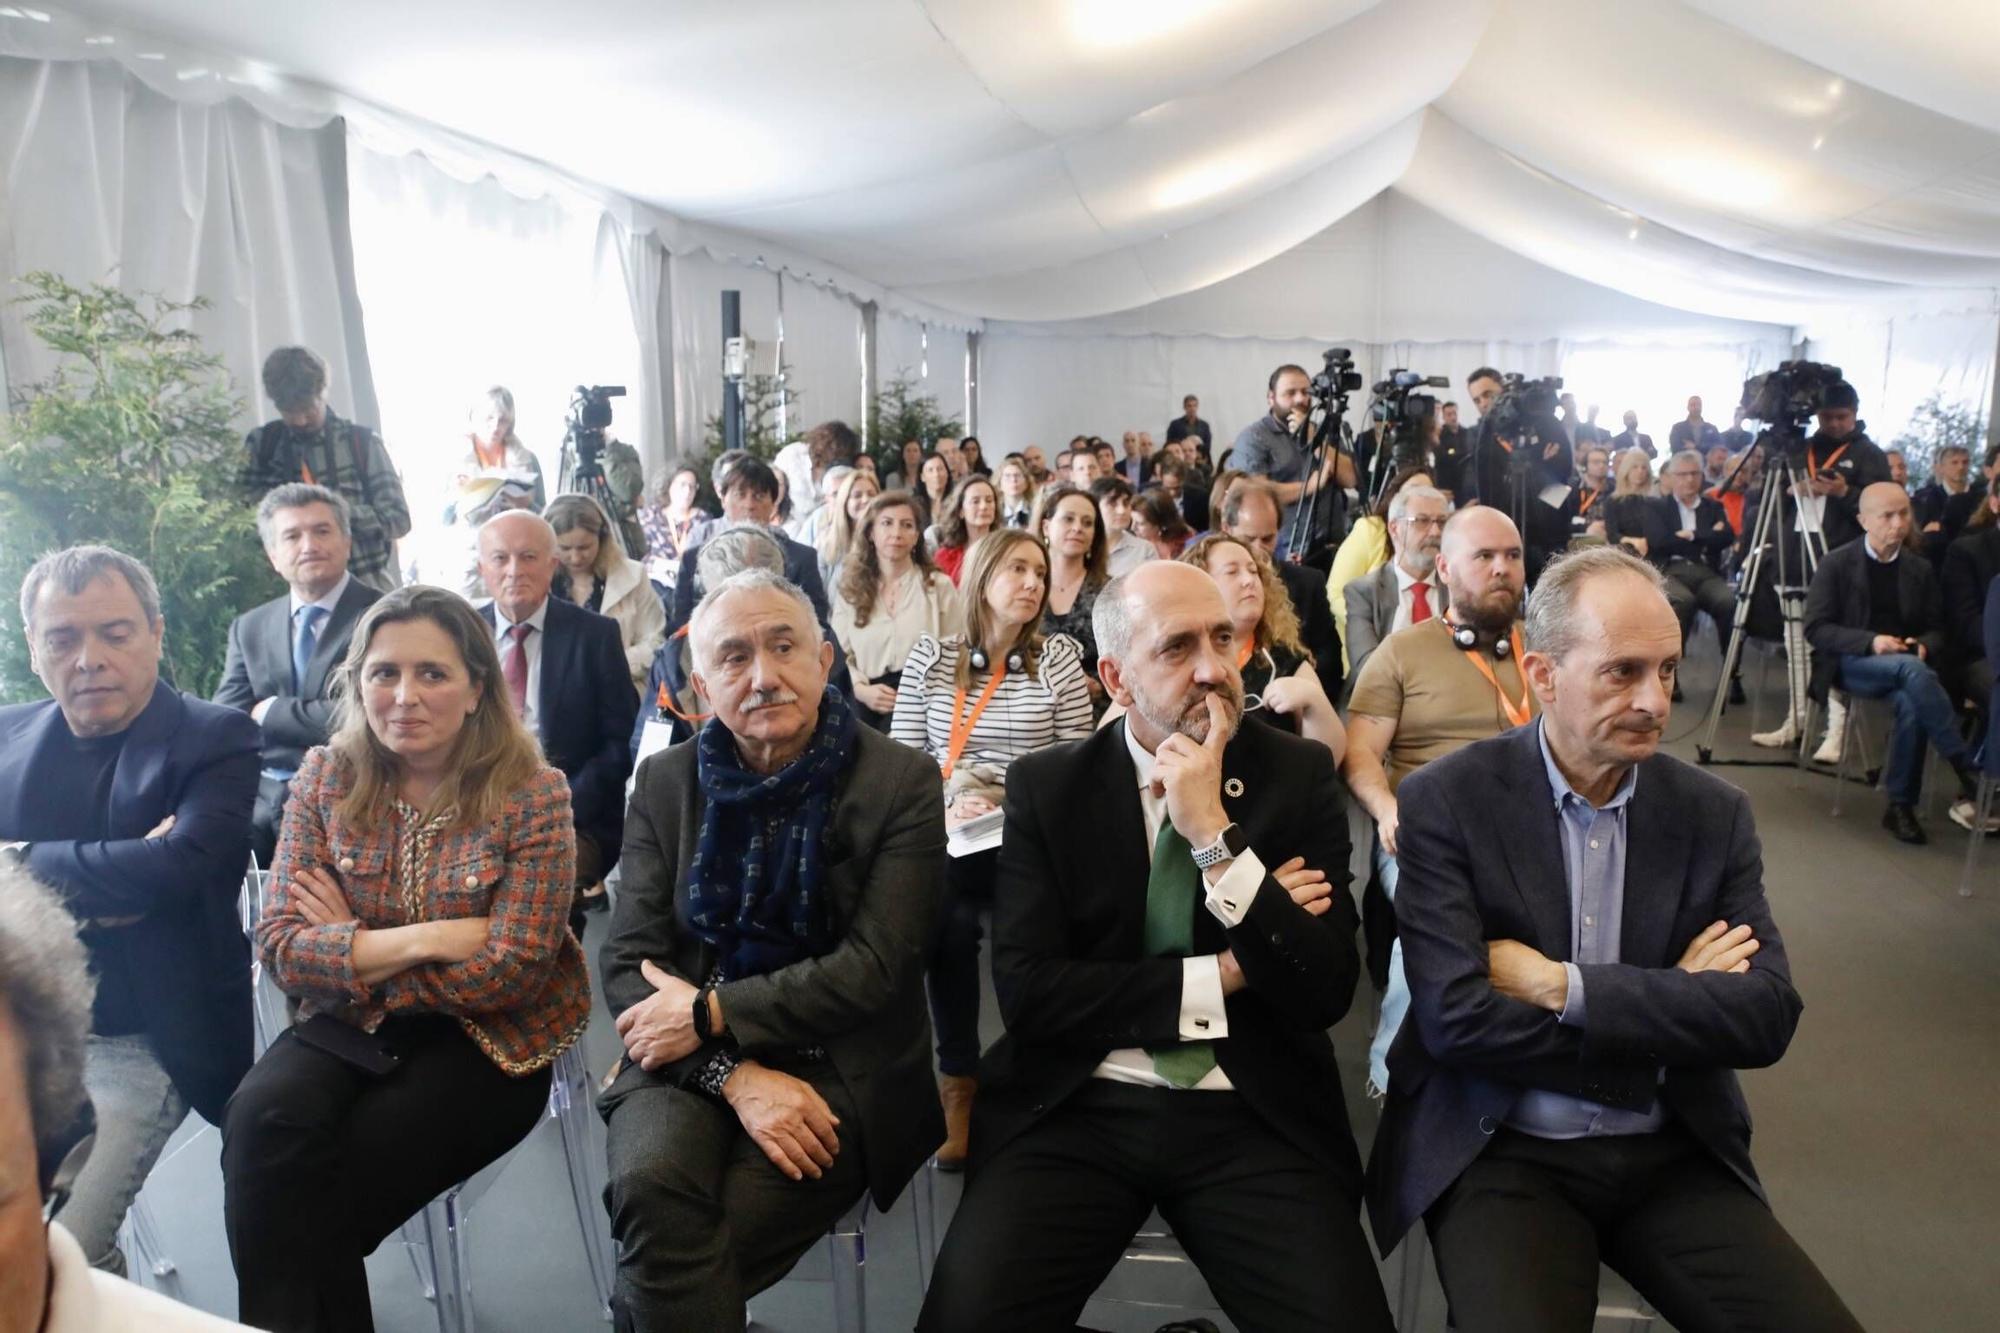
1026,713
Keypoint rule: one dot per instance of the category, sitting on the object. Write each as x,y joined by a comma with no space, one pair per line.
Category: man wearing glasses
1406,591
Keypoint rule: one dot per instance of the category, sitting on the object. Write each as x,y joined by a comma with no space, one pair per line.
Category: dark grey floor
1875,1135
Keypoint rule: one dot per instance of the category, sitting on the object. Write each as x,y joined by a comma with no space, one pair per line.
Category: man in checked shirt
309,442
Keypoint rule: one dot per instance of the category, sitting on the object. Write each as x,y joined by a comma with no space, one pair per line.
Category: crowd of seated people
1105,713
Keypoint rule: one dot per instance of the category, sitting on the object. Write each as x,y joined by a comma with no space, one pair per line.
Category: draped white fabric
106,180
822,354
698,284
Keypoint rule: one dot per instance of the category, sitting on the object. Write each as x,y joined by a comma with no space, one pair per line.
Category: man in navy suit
283,654
564,668
133,801
1590,959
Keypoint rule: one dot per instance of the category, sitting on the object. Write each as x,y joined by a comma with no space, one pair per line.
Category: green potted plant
900,412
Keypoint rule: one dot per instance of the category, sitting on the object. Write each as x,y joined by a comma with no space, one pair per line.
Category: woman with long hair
1073,532
669,521
1281,684
492,448
1157,519
1631,494
908,467
971,510
834,524
1015,482
418,912
974,457
934,480
595,575
975,701
889,596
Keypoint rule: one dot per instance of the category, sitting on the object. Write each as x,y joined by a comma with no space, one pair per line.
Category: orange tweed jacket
524,998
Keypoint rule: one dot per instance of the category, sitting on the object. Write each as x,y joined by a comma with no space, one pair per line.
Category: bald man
1875,619
564,669
1431,689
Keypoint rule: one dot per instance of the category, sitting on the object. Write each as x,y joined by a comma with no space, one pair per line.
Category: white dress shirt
1406,601
532,713
326,604
1689,516
1228,901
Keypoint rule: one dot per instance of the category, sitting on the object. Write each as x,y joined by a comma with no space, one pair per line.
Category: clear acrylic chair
437,1237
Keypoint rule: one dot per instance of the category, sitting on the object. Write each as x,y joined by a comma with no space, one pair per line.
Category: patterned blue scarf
755,888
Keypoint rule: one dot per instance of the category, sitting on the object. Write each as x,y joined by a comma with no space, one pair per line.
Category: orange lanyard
1813,468
1517,714
305,472
1588,501
1249,651
962,722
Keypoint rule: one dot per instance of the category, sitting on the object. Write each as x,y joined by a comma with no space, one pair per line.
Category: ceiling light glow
1112,25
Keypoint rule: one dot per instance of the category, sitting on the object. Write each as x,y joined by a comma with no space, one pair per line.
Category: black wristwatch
703,1015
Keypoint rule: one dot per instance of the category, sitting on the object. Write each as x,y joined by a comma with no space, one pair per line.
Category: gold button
472,881
347,863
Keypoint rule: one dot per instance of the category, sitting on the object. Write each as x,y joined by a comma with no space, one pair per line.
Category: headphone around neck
1467,638
1017,662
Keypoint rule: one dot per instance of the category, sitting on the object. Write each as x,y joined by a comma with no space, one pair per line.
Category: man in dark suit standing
282,655
1591,958
133,801
1167,969
565,670
766,963
1250,514
1686,536
1189,426
1631,438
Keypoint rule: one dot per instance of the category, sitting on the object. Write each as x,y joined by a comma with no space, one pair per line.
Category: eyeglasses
1421,522
1253,702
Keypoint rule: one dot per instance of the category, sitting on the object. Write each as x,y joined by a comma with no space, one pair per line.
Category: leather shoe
1901,821
1736,694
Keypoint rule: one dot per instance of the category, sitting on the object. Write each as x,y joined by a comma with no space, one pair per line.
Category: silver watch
1227,847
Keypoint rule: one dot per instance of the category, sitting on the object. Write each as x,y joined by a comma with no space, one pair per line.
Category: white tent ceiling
1062,159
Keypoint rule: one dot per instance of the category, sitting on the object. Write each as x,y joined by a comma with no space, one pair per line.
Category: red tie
1420,602
514,667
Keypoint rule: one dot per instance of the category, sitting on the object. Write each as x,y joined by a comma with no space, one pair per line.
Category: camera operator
1509,469
588,447
1450,450
1270,448
1840,462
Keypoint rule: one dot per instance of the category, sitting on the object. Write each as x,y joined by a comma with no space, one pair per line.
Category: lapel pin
1233,787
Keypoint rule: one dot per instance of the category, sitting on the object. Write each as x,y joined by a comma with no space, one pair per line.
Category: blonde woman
492,447
834,524
597,576
889,596
1016,484
1631,494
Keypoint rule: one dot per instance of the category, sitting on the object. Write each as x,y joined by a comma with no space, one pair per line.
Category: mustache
769,699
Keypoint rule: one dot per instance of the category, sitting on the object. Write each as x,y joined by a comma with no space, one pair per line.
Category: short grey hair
1111,620
746,546
1692,456
297,495
1551,617
77,567
749,580
498,396
46,986
1399,507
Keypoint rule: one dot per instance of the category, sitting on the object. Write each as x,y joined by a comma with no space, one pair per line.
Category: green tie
1170,894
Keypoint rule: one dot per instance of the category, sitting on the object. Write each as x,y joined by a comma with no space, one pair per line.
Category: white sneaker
1782,739
1836,732
1962,812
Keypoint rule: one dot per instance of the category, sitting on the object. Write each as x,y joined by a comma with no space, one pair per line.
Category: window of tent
465,286
1656,382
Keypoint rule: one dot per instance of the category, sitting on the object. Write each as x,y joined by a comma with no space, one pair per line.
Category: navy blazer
1480,854
1712,534
190,962
1069,965
586,705
259,666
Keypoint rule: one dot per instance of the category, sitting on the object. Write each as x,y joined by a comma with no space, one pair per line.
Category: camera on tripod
589,417
1524,406
1407,415
1338,377
1786,398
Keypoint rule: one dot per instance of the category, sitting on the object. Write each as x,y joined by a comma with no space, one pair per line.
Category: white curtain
469,286
822,354
642,263
1895,364
698,282
105,180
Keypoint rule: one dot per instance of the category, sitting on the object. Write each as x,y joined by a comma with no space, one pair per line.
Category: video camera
1338,377
1786,398
589,417
1407,415
1524,407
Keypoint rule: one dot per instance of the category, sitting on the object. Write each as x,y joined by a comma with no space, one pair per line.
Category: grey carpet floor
1874,1134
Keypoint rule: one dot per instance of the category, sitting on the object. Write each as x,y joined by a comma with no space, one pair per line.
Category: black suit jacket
1069,919
1970,566
259,666
863,1001
190,962
1317,629
586,705
1481,859
1712,534
1838,608
1626,439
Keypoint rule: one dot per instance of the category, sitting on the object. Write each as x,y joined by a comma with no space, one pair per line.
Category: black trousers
1693,587
954,969
322,1162
1276,1236
1519,1236
702,1219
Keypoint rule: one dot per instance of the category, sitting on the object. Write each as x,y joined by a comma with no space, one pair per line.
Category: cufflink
346,863
1233,787
1201,1023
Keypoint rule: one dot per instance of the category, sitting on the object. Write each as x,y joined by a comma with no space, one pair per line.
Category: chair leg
850,1288
1982,811
923,1213
144,1251
1410,1286
569,1102
450,1279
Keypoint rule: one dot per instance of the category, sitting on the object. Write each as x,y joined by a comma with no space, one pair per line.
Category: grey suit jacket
1371,613
863,1001
259,666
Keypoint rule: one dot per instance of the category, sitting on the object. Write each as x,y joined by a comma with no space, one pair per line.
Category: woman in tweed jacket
418,911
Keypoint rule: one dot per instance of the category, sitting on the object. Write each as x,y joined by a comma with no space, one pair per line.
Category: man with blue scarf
766,967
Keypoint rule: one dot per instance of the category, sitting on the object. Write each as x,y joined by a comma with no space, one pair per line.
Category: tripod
1317,460
583,474
1782,477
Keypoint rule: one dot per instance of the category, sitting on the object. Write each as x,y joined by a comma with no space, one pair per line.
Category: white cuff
1202,1014
1230,896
